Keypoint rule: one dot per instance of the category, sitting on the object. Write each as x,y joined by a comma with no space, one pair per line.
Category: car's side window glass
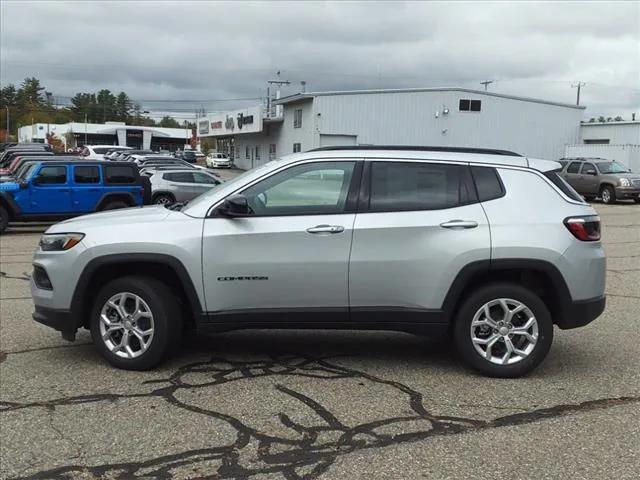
574,167
83,174
180,177
308,189
398,186
588,166
52,175
204,178
119,174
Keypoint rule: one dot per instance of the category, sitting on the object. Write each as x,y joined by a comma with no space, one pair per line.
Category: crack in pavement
5,354
25,276
313,446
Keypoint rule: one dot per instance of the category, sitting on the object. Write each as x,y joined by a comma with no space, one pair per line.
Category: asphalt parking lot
322,405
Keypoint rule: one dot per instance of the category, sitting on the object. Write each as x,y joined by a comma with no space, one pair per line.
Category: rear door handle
326,229
459,224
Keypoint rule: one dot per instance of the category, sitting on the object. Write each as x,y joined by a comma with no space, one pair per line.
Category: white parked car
96,152
218,160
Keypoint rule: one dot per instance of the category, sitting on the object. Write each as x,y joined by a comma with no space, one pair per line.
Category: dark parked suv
598,177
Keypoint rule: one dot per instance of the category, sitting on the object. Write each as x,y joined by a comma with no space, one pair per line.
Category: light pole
85,129
6,135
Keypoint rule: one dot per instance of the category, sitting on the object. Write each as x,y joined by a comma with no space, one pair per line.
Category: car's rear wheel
503,330
114,205
136,322
163,199
608,194
4,219
637,199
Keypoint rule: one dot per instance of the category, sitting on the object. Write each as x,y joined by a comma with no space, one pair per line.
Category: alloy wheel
606,196
504,331
126,325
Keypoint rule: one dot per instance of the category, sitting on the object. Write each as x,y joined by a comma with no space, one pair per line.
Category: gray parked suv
180,185
435,241
598,177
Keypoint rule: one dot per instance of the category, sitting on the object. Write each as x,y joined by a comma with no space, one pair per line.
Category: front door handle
326,229
459,224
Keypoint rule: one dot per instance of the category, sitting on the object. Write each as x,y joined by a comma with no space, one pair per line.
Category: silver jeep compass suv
487,246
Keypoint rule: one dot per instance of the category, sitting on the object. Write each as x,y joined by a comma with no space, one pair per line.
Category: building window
297,118
247,152
297,147
597,141
257,152
272,151
470,105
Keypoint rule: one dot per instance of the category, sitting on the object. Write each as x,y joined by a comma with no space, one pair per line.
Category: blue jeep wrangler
58,190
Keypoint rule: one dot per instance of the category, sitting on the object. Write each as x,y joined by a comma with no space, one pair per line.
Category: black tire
637,199
4,219
114,205
167,321
163,199
483,295
610,196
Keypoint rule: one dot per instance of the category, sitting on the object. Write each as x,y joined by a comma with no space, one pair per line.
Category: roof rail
484,151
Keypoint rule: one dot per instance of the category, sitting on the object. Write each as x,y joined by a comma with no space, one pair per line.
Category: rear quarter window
488,183
120,174
564,187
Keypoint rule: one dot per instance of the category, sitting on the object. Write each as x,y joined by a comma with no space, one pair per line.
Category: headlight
624,182
60,241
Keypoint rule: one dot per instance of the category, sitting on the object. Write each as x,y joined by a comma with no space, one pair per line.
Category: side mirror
235,206
24,185
35,181
591,172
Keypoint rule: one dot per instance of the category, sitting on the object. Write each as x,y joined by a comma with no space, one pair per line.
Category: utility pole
85,129
6,135
278,83
486,83
578,85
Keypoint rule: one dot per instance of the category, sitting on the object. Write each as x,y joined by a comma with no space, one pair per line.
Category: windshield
25,172
611,167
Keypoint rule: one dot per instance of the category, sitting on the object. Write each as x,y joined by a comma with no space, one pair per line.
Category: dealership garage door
337,140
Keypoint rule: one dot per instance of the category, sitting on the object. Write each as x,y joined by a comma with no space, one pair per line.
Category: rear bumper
580,313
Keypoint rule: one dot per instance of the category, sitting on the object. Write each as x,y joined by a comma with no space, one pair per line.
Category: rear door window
400,186
86,174
588,166
119,174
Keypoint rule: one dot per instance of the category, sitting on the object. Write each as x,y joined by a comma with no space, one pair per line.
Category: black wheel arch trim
106,198
9,202
568,308
96,264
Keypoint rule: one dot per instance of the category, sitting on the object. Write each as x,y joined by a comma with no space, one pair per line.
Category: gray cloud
213,50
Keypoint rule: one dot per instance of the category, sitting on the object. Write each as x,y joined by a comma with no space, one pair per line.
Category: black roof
484,151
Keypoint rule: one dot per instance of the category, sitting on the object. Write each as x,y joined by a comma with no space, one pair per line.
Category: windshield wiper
177,206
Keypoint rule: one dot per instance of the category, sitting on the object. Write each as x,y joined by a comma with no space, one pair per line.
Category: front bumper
580,313
627,192
61,320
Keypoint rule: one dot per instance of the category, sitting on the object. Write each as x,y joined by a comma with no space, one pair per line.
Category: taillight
586,229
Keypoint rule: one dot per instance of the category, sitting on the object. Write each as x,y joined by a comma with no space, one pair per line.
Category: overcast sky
204,51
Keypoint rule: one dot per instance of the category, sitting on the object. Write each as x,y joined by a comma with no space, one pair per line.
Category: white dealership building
424,116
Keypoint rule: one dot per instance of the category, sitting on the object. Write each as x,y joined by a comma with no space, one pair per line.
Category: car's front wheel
135,322
608,194
503,330
163,199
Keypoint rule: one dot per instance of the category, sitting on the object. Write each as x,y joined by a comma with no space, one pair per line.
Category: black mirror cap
235,206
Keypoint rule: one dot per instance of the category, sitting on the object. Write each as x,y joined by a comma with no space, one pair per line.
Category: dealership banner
232,122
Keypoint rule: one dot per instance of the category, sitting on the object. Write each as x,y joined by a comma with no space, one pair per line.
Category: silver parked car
435,241
170,186
598,177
